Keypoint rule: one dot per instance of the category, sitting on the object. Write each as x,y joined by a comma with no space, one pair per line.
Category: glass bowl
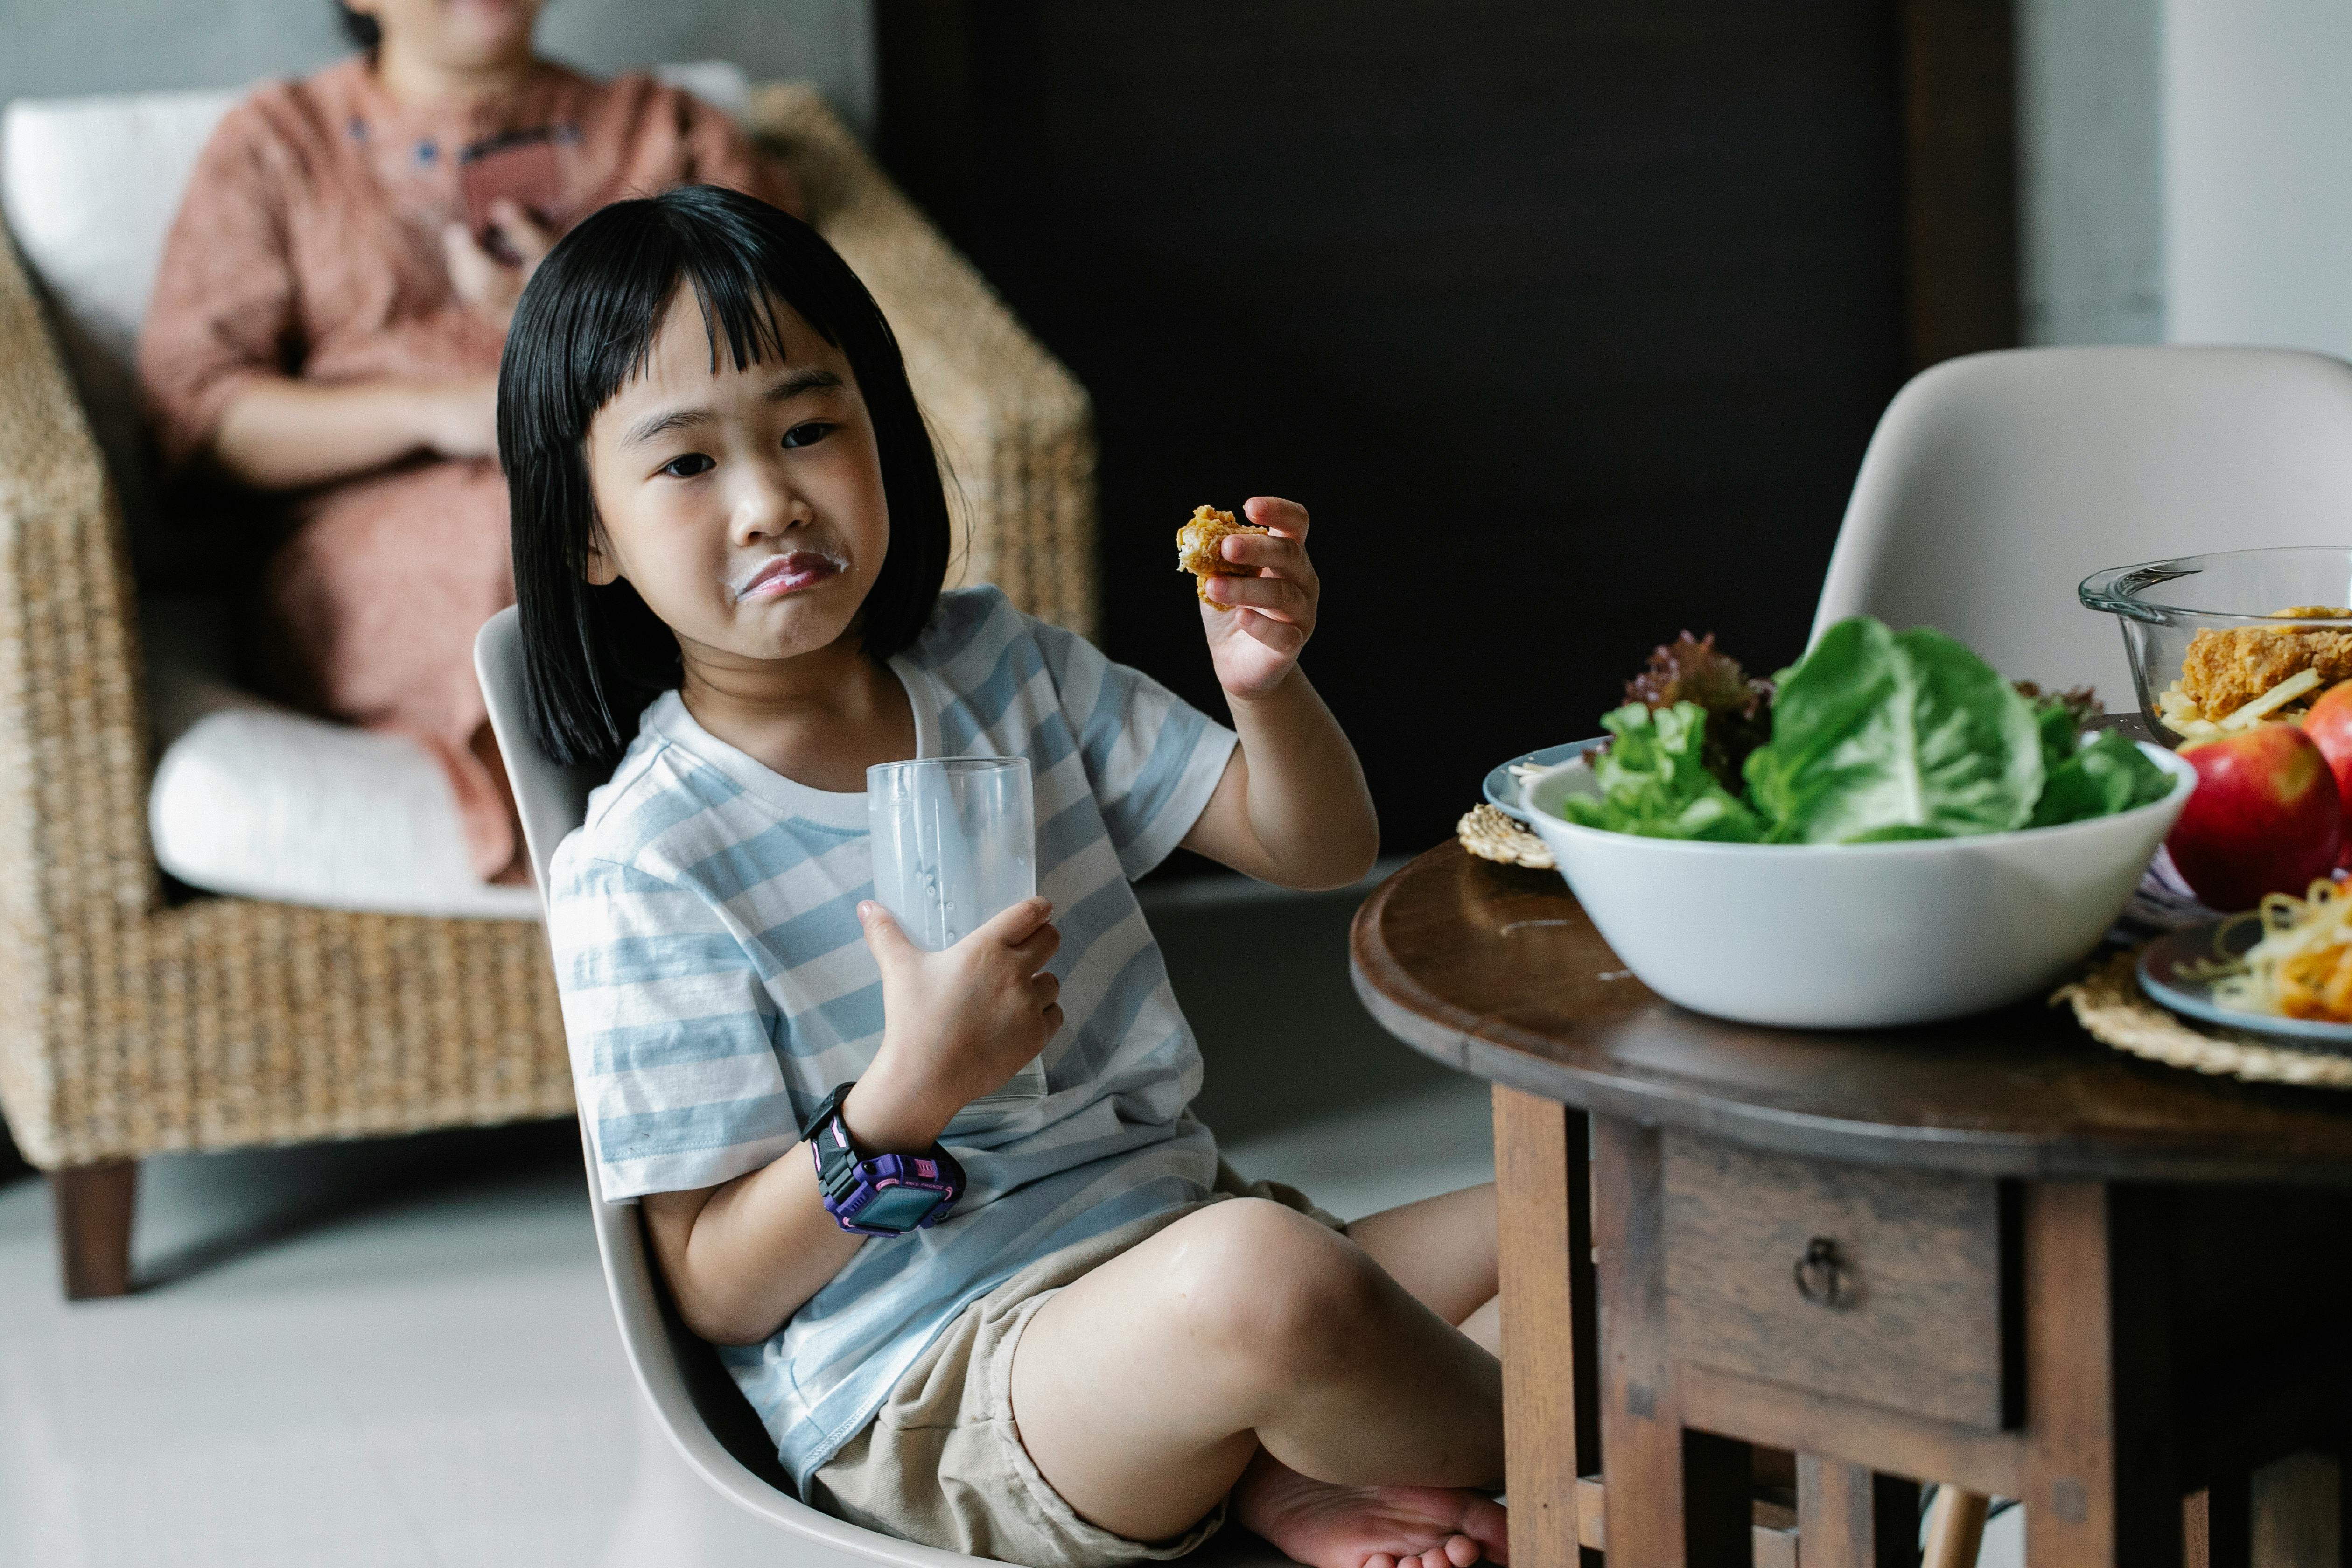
2162,605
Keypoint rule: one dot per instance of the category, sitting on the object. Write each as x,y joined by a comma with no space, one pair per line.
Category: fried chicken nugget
1199,550
2223,669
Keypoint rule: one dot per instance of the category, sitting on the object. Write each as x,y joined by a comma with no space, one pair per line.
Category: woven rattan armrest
74,856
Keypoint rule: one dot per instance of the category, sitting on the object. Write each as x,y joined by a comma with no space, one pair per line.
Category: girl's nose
766,511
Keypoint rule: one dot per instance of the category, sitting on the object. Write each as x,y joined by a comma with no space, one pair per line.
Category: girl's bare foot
1327,1526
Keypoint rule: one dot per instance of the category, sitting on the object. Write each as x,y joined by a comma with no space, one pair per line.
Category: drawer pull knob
1821,1274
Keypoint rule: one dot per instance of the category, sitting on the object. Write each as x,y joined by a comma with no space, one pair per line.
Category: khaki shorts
942,1463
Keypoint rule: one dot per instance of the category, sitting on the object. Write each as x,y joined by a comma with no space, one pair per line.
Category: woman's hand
956,1024
483,280
459,418
1270,613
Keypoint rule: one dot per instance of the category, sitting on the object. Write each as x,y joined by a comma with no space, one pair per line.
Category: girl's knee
1274,1285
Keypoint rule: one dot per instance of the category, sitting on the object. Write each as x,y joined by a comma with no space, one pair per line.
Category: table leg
2221,1528
1676,1500
1848,1517
1955,1530
1551,1419
2100,1477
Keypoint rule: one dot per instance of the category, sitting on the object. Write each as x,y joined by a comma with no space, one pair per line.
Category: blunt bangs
593,656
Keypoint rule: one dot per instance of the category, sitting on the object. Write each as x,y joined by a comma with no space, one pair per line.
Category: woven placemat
2109,1003
1492,834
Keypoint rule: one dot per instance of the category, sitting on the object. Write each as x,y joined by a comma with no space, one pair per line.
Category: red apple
2329,725
2266,816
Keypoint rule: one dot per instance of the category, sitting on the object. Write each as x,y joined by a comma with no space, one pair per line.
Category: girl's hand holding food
956,1024
1259,617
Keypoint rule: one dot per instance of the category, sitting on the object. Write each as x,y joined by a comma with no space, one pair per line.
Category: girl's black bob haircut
593,656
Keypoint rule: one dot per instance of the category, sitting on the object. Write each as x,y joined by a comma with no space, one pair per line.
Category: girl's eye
688,466
807,434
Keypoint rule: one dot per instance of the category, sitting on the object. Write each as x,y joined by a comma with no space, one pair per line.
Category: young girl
1064,1340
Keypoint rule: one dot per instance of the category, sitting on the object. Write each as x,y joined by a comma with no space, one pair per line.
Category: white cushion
253,799
265,803
248,798
91,186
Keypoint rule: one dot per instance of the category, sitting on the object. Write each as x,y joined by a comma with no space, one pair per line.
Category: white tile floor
399,1354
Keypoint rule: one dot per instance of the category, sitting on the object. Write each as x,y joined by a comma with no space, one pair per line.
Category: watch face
898,1208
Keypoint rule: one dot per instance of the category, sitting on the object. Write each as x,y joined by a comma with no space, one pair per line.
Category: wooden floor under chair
1991,1253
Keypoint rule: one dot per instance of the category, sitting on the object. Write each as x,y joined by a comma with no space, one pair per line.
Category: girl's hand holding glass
958,1022
1257,624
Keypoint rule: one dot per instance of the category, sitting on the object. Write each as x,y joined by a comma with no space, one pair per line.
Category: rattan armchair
131,1026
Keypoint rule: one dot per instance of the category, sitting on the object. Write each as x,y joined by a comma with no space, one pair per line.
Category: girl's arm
741,1258
1292,807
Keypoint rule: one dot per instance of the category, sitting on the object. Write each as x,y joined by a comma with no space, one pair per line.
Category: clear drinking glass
955,843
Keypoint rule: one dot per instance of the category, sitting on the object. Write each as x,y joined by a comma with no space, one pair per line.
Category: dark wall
1569,321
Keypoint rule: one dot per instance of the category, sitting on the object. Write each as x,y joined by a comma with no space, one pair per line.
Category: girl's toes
1434,1558
1379,1560
1460,1552
1488,1525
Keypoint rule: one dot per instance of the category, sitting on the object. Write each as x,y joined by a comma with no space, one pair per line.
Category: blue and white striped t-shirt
716,987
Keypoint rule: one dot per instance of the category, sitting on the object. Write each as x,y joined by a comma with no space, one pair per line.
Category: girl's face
744,506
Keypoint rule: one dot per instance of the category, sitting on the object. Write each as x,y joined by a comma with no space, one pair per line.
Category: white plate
2159,976
1502,786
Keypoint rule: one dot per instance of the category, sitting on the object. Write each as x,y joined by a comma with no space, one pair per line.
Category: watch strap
826,1108
841,1170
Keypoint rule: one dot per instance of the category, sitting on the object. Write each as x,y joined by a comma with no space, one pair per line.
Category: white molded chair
1996,483
693,1397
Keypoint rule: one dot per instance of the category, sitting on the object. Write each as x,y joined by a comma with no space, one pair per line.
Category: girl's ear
601,569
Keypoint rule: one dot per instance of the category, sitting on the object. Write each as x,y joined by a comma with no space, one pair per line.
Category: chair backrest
694,1399
1996,483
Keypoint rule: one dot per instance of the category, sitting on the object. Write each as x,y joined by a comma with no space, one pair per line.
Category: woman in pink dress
327,325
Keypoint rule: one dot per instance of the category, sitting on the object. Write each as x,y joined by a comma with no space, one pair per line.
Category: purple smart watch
889,1195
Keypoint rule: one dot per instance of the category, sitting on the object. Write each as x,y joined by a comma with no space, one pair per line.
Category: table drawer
1865,1283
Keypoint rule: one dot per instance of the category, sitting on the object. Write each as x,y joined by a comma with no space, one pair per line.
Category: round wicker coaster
2109,1003
1492,836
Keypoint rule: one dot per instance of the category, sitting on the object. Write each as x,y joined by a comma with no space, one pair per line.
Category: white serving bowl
1853,935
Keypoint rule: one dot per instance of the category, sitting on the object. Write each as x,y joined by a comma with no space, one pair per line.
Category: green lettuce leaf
1655,781
2060,730
2104,775
1879,734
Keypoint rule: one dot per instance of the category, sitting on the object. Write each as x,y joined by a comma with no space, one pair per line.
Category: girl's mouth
781,575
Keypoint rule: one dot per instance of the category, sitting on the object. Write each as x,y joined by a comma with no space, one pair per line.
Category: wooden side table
1993,1253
